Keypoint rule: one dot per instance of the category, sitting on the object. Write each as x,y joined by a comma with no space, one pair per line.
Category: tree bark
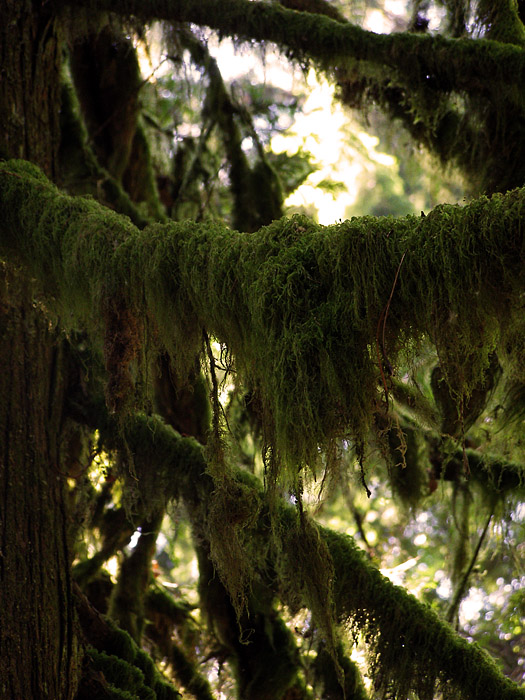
29,83
38,646
39,653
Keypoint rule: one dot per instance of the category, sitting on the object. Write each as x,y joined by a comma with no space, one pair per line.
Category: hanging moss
315,316
411,648
406,470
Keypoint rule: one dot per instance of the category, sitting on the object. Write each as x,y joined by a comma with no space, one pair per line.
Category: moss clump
128,669
122,675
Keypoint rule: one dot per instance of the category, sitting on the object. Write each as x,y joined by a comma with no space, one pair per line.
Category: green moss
314,316
120,644
129,669
121,674
410,646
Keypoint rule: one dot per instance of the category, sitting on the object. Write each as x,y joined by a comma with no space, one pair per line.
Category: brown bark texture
39,656
38,649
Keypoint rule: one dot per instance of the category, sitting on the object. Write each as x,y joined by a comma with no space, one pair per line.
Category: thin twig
215,390
460,591
363,481
382,319
390,300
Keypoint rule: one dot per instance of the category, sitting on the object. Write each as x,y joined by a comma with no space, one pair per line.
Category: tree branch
297,303
410,645
336,44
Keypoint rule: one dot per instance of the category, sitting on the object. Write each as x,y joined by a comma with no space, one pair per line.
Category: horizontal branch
456,64
315,316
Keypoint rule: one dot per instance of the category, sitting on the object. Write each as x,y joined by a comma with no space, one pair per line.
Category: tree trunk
39,654
38,649
29,83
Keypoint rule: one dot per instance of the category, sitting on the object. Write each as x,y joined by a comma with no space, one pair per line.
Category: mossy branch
334,43
128,670
411,645
450,93
298,304
411,648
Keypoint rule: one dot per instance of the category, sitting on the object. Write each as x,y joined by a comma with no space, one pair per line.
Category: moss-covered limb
494,474
188,675
125,666
56,245
301,306
167,465
320,7
409,642
412,647
166,614
449,93
334,43
411,453
166,462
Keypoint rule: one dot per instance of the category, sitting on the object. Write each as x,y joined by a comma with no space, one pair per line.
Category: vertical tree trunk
29,83
37,634
39,658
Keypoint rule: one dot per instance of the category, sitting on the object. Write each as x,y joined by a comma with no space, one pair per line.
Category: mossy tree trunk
38,641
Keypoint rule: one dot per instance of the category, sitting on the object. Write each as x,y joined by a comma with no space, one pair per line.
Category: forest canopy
243,427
